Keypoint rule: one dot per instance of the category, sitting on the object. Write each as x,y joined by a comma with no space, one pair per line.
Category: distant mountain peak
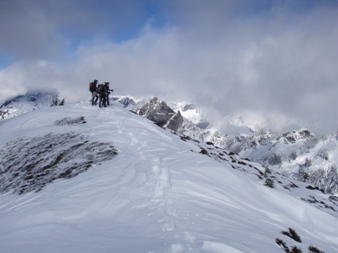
159,112
25,103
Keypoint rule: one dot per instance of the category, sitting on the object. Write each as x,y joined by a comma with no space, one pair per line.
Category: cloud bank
273,63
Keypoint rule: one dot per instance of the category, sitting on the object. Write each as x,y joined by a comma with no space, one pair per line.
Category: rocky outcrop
29,164
175,122
159,112
3,114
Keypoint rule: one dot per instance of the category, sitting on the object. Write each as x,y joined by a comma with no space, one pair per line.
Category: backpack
92,86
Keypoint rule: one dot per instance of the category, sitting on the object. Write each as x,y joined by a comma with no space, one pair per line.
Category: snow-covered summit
158,192
190,112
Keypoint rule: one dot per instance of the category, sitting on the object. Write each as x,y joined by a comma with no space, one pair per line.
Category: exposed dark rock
313,249
3,114
292,234
204,152
310,187
159,112
70,121
28,164
175,122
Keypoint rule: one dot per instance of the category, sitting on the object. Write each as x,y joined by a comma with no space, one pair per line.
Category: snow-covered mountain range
299,154
78,178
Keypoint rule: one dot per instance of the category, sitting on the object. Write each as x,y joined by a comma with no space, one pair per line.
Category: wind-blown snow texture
161,193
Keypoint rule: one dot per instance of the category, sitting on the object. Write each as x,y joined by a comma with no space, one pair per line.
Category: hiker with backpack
101,89
93,90
106,84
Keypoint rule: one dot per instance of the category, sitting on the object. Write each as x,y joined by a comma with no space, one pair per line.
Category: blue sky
65,25
272,62
73,23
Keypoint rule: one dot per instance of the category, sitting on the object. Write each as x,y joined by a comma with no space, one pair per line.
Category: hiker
103,95
106,84
93,89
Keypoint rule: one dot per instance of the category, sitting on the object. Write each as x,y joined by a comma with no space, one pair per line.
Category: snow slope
158,194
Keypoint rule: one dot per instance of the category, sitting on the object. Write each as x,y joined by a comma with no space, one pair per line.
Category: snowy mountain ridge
298,154
111,181
301,154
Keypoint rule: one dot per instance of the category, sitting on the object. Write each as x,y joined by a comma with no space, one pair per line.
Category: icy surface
161,193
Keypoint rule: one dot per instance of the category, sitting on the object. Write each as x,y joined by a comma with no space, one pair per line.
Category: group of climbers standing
100,91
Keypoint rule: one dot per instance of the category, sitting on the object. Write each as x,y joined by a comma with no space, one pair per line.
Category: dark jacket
102,91
93,87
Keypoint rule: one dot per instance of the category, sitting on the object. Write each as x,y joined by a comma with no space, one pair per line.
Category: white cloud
279,67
